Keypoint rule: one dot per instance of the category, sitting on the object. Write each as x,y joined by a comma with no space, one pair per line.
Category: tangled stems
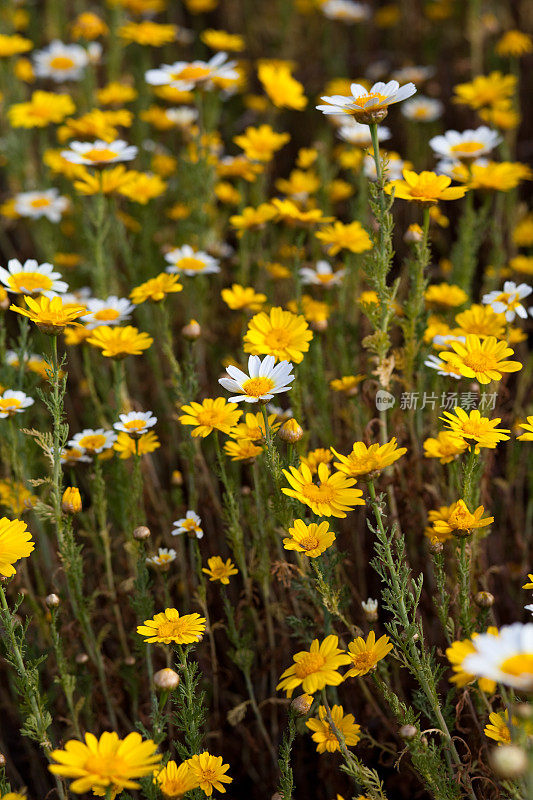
464,557
168,349
101,225
235,533
286,778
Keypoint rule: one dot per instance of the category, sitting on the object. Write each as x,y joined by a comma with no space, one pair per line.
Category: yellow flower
41,110
312,539
243,298
461,521
168,626
15,543
260,144
315,311
323,735
148,32
105,181
287,211
96,124
221,40
142,187
426,187
201,6
50,315
523,232
456,654
279,333
15,497
503,116
283,90
348,384
242,450
445,294
156,289
315,668
316,457
108,761
515,44
530,584
300,184
495,176
227,193
331,497
176,781
13,45
446,447
365,655
253,428
220,570
482,359
365,460
115,94
528,435
71,500
239,167
481,321
209,771
485,90
117,342
128,447
522,264
250,218
472,426
88,26
339,236
498,728
210,415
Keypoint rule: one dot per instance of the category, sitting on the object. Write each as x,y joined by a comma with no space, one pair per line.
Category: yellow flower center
310,662
209,418
321,493
135,425
9,403
310,542
61,62
40,202
107,314
461,519
480,361
363,661
100,156
466,147
105,766
505,297
30,282
92,441
363,100
518,665
191,73
172,628
256,387
189,262
277,338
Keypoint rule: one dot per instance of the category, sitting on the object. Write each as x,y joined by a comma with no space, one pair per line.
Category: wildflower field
266,414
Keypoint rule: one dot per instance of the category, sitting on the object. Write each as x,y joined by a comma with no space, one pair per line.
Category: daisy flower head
93,441
135,423
185,75
60,62
526,437
191,524
322,275
312,540
50,315
497,728
70,456
481,359
446,447
508,301
506,658
340,236
422,109
243,298
117,342
210,415
474,428
368,106
467,145
99,153
315,668
425,187
43,108
97,764
281,87
128,446
156,289
260,144
32,278
457,654
47,203
370,460
219,570
332,496
168,627
175,781
191,262
209,772
163,559
447,370
347,11
265,379
461,522
323,735
482,321
279,333
113,311
13,402
15,543
364,655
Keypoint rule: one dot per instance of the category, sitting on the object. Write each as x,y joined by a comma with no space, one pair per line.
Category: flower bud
408,732
129,661
52,600
302,704
71,502
484,599
166,679
370,607
82,658
413,234
509,761
290,432
319,325
3,760
141,533
436,547
176,478
191,331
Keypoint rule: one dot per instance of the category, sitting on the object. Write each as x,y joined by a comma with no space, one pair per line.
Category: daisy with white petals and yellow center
191,262
266,379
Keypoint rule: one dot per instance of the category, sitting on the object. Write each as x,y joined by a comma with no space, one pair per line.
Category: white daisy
413,73
282,414
60,62
113,311
359,135
445,340
394,167
13,402
442,367
93,441
508,301
98,153
467,145
185,75
423,109
135,423
32,278
322,275
191,524
191,262
529,608
266,379
70,456
182,117
362,102
345,10
506,658
48,203
164,558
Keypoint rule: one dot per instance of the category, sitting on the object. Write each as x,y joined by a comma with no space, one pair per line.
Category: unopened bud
82,658
192,330
141,533
71,502
413,234
277,796
129,661
436,547
408,732
509,761
523,711
52,600
177,478
166,679
484,599
3,760
302,704
290,431
319,325
245,491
